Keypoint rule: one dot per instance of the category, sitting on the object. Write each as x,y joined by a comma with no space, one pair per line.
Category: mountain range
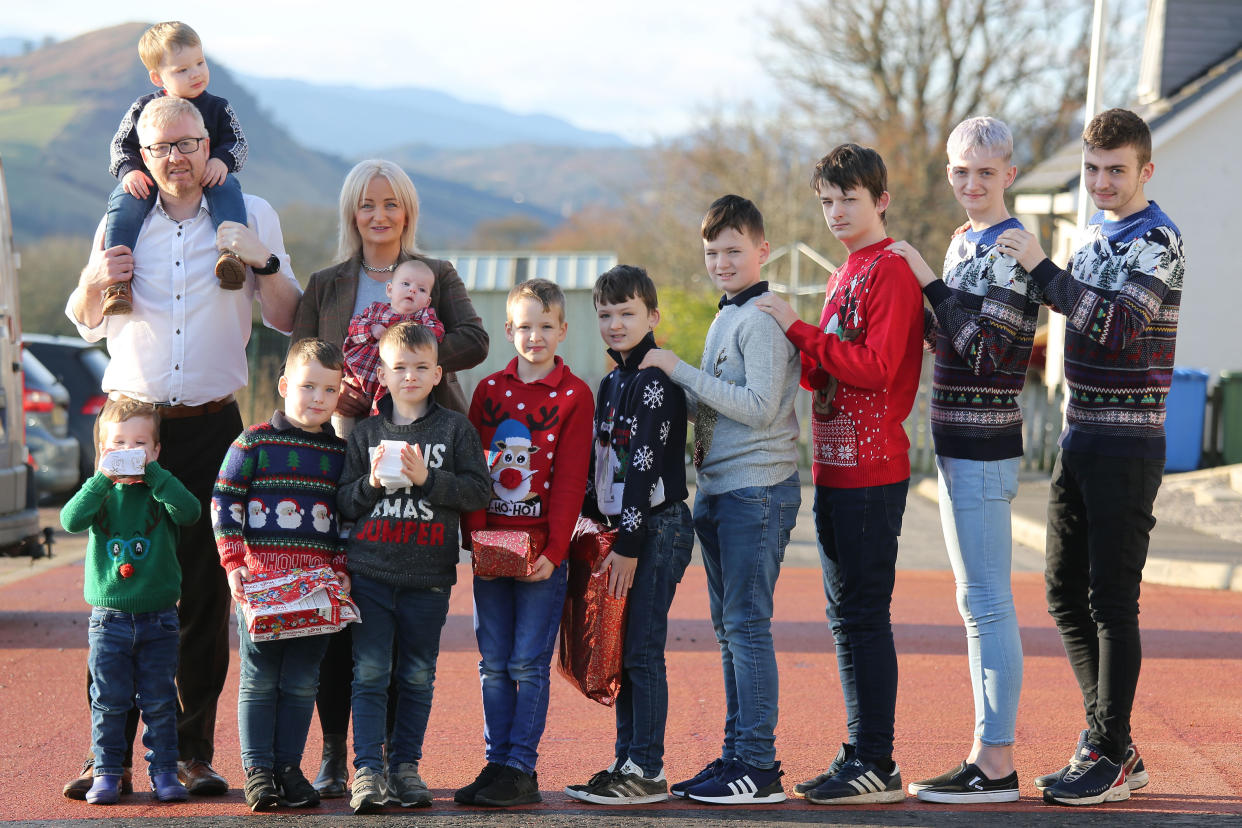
476,163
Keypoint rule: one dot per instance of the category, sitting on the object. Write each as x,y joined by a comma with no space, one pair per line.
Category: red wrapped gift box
506,553
292,603
592,634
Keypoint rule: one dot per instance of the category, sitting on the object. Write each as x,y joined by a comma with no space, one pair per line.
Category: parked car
19,517
79,366
55,451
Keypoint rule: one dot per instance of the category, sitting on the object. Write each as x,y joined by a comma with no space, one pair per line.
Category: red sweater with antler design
537,436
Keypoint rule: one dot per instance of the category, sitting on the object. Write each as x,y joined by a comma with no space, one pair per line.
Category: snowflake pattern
631,519
665,428
643,458
653,395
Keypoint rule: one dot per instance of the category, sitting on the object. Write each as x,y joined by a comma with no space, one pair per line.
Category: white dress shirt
185,341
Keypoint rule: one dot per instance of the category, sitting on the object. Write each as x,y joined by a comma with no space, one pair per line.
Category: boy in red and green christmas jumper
274,509
133,583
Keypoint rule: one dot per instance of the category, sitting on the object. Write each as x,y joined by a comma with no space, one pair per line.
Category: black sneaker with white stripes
737,783
859,783
969,784
624,786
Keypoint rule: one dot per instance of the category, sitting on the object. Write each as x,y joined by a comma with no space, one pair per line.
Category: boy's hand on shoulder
413,465
661,358
377,330
777,308
1022,246
136,183
236,578
543,571
351,402
214,173
922,271
620,573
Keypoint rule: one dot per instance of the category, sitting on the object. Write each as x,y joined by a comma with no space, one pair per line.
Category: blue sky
642,69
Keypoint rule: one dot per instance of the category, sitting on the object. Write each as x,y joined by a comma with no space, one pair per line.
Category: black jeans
857,531
1099,525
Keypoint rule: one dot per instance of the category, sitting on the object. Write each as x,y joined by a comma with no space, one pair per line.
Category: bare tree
898,75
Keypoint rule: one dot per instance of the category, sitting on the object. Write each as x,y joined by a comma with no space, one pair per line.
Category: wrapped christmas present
506,553
592,635
291,603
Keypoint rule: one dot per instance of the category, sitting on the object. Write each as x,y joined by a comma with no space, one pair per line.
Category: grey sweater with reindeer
741,399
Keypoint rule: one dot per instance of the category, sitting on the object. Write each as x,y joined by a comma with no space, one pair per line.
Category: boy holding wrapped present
534,418
638,487
274,508
402,554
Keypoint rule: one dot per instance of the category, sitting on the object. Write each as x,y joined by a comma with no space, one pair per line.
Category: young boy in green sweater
133,583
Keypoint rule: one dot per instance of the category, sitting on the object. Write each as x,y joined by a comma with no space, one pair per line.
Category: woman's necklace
370,269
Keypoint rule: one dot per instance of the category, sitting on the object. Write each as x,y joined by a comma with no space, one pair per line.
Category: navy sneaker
1136,772
737,783
679,789
845,754
859,783
1093,778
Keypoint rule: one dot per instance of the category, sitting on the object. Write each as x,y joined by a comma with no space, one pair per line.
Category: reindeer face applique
517,487
126,554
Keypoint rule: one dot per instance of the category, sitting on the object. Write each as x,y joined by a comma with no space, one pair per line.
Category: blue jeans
857,531
133,658
126,213
276,696
515,624
411,619
642,704
742,535
1099,526
975,498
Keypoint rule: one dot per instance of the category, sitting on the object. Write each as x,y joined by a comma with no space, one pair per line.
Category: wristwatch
269,267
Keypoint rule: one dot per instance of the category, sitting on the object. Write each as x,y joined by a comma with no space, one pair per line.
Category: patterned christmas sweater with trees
274,504
537,436
1121,297
985,311
862,364
638,467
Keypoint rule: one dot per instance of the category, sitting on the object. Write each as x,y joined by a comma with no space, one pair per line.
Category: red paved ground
1187,720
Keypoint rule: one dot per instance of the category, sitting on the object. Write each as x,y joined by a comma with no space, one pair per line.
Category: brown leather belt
179,412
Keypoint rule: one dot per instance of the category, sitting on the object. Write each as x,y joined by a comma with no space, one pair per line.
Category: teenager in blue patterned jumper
983,316
1120,295
274,508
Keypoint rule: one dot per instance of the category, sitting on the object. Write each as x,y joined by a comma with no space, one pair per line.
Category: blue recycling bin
1183,423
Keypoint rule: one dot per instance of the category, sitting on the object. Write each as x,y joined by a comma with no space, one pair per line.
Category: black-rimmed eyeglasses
186,146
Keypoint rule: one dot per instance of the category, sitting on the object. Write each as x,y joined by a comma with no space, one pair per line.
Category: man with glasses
183,348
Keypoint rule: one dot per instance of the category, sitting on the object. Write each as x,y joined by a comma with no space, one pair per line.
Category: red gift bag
592,633
506,553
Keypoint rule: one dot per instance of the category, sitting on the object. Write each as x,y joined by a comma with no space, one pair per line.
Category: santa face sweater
537,436
274,503
985,313
409,537
742,399
131,554
1121,298
863,363
638,465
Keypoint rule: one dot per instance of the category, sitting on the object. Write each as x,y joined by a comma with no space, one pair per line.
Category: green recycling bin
1231,415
